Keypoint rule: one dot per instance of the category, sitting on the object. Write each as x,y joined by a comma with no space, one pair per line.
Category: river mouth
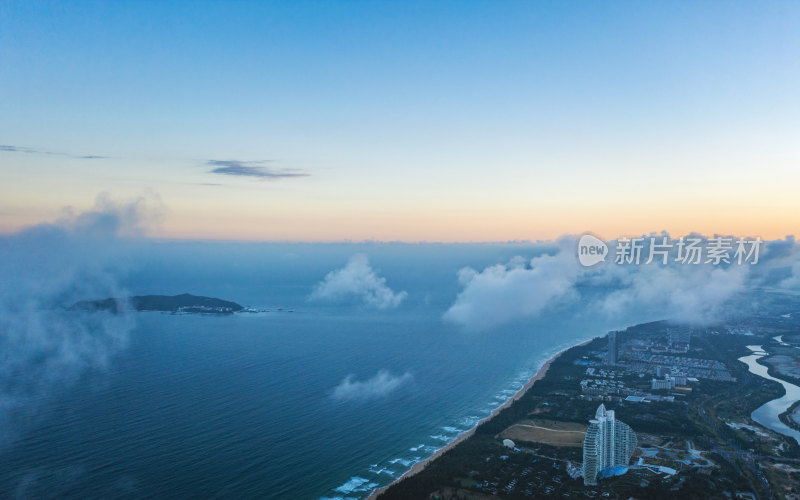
768,413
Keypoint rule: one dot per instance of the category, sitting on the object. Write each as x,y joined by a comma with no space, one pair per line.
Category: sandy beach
419,466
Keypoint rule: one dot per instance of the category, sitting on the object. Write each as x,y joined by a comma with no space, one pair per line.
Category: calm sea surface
243,406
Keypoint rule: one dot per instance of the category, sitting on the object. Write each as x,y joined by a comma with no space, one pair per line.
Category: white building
608,442
667,383
678,379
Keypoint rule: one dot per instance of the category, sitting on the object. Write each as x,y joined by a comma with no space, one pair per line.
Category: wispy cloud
378,386
22,149
45,348
258,169
18,149
255,169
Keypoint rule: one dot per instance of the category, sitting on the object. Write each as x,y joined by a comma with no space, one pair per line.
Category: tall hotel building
608,442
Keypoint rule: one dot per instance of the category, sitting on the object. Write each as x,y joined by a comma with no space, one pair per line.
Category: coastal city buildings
695,437
608,443
649,368
659,364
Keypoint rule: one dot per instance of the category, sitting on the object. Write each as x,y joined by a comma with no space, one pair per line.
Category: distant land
709,423
184,303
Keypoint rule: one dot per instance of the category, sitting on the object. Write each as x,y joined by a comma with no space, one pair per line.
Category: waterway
767,414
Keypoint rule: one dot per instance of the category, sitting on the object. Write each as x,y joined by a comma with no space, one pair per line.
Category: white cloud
786,253
378,386
357,280
518,289
793,281
698,294
695,294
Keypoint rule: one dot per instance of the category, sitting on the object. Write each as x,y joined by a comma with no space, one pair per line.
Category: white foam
359,484
452,430
382,471
351,485
470,421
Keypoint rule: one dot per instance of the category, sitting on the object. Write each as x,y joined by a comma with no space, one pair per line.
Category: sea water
244,405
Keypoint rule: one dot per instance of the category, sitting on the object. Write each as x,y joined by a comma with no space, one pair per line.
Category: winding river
767,414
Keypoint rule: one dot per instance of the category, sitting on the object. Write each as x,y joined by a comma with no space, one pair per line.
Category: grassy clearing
550,432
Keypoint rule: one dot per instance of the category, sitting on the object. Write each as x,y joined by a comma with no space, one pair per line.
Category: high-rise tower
611,356
608,442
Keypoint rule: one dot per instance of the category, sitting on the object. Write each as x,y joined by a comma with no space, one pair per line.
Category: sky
405,121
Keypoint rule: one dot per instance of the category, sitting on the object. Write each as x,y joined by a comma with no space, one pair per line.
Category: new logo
591,250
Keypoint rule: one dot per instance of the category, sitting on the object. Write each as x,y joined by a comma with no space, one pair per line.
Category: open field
548,432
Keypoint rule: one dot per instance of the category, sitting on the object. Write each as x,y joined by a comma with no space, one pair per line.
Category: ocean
247,405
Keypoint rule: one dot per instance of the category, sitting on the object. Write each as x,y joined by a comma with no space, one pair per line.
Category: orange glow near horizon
467,226
452,225
532,130
500,212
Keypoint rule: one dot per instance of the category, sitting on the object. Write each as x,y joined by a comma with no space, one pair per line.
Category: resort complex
608,443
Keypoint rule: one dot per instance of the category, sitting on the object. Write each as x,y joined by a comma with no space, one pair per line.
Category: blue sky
436,121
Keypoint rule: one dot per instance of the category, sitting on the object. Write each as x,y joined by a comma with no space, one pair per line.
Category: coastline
420,466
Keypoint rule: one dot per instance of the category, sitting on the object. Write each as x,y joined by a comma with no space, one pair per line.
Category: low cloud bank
692,293
696,295
381,385
357,280
43,270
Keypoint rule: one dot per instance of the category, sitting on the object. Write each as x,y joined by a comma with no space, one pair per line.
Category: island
184,303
